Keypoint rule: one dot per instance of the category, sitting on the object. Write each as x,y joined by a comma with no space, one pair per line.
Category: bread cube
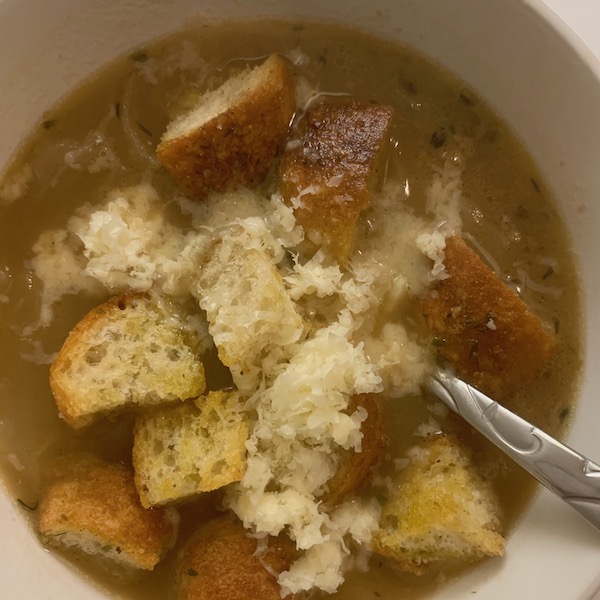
329,168
222,562
196,447
442,513
249,310
482,327
355,468
126,352
97,511
231,137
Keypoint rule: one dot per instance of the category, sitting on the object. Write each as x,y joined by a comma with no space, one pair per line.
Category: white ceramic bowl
519,57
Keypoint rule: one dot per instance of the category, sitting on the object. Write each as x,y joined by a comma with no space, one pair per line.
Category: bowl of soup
455,121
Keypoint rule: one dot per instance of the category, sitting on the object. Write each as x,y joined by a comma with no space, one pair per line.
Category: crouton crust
236,146
355,467
98,510
219,563
482,327
329,167
118,355
441,512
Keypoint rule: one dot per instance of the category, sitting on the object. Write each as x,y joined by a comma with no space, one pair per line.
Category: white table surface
583,17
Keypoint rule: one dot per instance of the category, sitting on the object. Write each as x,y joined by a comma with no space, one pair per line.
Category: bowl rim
587,58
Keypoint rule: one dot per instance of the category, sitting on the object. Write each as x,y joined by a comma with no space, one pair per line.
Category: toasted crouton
482,327
442,513
98,511
221,562
329,168
182,451
231,137
249,310
355,467
128,351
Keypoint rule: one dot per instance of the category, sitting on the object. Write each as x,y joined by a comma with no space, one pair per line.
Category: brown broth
507,210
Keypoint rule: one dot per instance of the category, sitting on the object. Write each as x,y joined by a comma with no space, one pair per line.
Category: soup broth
103,137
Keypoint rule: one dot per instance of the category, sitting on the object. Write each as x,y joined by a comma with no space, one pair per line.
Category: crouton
98,512
128,351
231,137
355,467
248,308
329,168
482,327
441,514
221,562
182,451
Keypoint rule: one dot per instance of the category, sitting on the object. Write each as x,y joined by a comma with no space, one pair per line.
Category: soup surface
103,137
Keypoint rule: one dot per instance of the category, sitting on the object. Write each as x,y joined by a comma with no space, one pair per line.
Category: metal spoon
573,477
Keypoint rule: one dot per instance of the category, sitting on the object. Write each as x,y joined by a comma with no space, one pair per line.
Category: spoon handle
567,473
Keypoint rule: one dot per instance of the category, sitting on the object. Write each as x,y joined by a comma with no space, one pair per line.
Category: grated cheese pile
292,452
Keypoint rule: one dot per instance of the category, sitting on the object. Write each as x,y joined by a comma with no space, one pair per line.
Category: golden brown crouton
231,137
182,451
355,467
220,562
441,513
249,311
98,511
128,351
482,327
328,168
